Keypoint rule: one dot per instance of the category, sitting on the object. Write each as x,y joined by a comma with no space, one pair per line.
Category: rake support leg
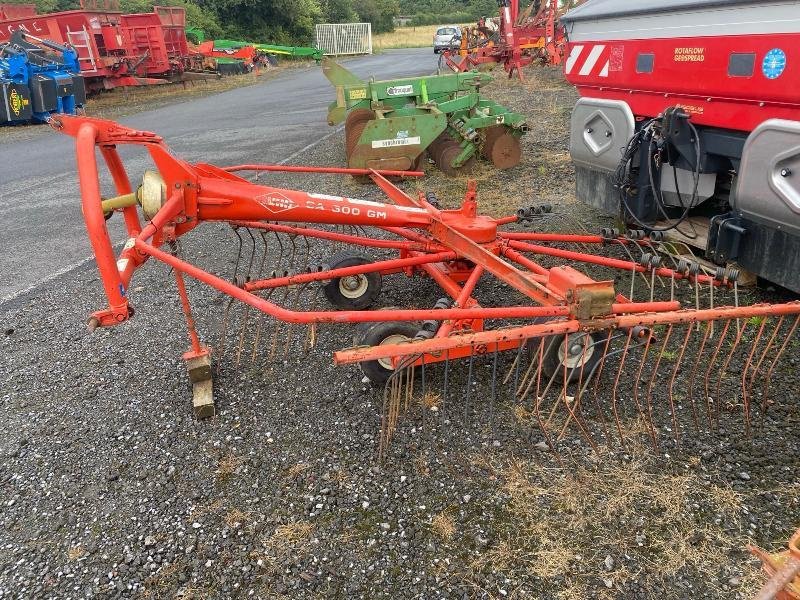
198,360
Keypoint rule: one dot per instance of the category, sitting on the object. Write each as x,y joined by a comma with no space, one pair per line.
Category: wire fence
336,39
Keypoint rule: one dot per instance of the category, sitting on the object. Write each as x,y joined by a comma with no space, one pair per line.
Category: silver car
447,37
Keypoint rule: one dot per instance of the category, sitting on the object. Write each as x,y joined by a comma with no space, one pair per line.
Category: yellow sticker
16,102
358,94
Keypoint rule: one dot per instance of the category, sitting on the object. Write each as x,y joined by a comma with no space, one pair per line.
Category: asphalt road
41,229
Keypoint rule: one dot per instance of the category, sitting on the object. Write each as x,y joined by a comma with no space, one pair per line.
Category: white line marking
591,60
573,58
311,145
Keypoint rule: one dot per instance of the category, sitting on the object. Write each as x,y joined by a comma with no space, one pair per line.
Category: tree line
292,21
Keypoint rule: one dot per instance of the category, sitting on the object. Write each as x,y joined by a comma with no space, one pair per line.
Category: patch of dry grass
654,525
236,518
76,552
443,526
295,470
227,466
290,539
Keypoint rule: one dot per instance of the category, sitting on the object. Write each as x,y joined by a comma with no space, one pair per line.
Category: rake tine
259,325
764,354
737,340
775,360
493,397
535,363
238,254
616,386
311,336
469,384
745,389
252,253
596,373
223,332
242,333
695,367
685,345
446,382
293,255
711,363
653,378
278,261
647,416
264,256
577,398
537,404
514,364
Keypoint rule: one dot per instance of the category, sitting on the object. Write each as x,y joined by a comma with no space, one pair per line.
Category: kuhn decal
276,202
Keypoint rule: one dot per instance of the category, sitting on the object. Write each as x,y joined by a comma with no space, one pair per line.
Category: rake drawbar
564,328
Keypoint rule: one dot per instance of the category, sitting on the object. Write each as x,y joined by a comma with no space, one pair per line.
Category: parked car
448,36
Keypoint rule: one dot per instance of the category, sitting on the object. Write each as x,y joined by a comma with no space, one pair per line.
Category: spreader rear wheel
501,147
448,152
383,334
578,354
354,292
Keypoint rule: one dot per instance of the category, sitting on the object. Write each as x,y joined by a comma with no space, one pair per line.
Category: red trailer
15,11
114,49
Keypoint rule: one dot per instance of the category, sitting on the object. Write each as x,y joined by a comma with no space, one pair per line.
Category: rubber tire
334,294
373,336
552,364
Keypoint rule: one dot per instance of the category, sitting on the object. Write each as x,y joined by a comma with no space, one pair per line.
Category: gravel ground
110,488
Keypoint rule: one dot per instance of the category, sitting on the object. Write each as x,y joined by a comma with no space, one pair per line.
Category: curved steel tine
737,340
493,396
644,414
614,390
446,383
671,391
631,258
747,364
765,352
266,253
242,333
238,254
696,366
537,402
653,376
575,411
294,252
252,254
468,393
311,337
259,325
710,368
768,378
278,261
223,333
514,365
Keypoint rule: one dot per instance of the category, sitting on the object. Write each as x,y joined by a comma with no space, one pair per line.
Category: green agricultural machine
391,124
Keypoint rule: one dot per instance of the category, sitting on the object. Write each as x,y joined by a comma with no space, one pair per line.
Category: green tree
339,11
380,13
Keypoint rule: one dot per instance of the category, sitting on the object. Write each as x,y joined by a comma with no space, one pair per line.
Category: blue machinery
38,78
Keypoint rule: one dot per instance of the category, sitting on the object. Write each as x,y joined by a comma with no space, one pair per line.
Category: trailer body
701,100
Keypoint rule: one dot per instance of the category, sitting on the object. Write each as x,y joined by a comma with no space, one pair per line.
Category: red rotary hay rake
578,353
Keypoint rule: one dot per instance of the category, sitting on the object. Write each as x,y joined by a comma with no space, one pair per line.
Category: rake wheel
353,292
381,334
573,357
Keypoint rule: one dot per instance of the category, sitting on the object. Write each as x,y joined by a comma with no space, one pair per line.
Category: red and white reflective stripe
594,62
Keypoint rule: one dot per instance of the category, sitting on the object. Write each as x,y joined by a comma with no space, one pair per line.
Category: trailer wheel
502,148
448,152
382,334
578,352
356,292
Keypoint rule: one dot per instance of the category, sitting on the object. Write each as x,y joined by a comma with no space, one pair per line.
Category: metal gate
335,39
